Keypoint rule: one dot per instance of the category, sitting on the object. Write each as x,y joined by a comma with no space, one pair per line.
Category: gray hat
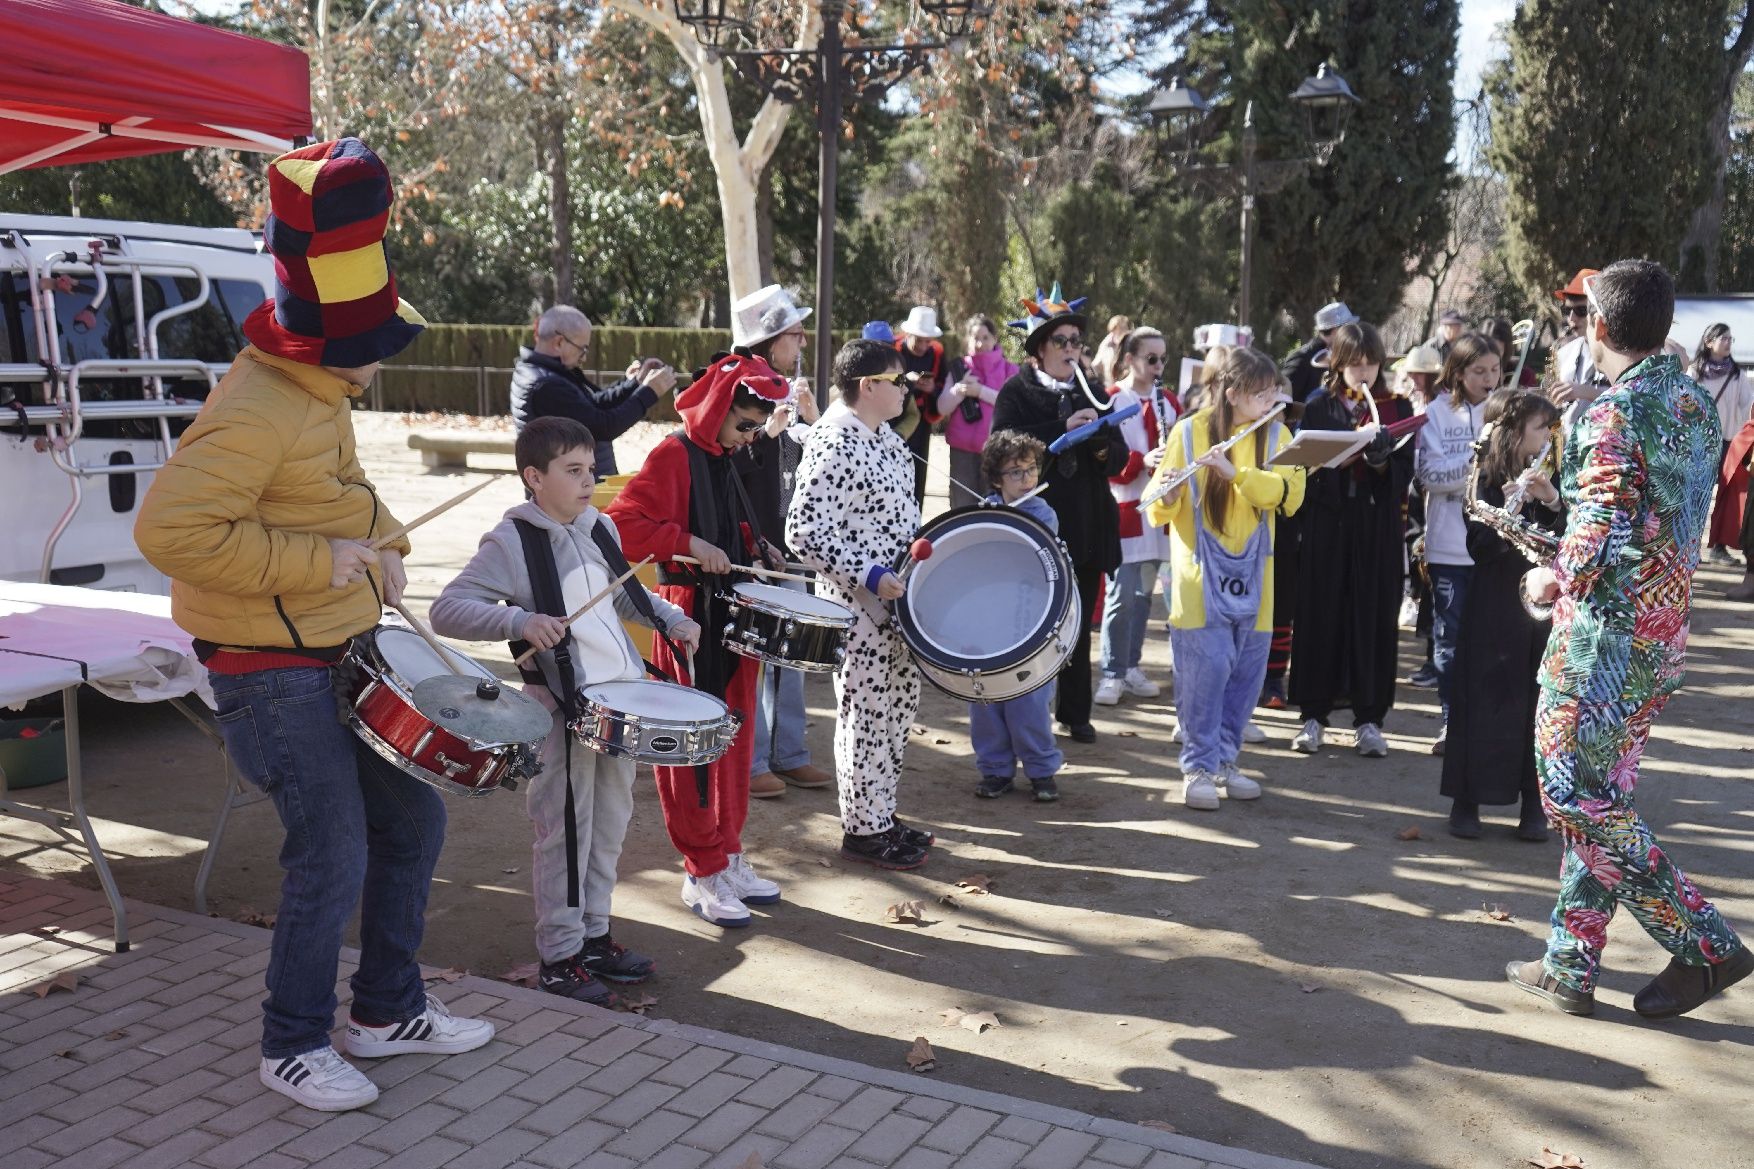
765,313
1452,317
1332,316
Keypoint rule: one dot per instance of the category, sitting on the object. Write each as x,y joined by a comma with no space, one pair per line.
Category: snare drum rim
772,609
410,768
1064,592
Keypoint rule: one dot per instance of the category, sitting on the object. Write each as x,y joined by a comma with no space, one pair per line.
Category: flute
1176,478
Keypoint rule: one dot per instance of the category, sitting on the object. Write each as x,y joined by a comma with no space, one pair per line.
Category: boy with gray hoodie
580,796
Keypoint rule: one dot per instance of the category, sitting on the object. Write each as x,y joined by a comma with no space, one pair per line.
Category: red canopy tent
91,80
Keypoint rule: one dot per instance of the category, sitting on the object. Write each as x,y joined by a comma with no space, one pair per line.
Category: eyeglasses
1576,310
1018,474
748,425
1067,340
583,349
891,377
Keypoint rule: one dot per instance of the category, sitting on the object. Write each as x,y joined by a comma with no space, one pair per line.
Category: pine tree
1602,131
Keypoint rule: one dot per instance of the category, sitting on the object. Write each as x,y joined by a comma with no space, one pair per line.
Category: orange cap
1575,288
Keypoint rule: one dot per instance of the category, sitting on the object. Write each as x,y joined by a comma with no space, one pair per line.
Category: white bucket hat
764,314
1333,316
921,322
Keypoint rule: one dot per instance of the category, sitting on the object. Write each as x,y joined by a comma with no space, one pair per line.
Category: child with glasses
1144,548
1019,728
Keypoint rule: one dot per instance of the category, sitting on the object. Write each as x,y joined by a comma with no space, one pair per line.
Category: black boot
1532,824
1680,988
1464,819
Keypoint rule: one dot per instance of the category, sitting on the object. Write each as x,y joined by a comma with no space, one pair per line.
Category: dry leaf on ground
47,931
449,974
1309,987
920,1056
639,1004
825,862
1497,912
752,1161
1159,1125
948,900
976,883
250,916
114,1035
978,1023
919,730
1126,734
1551,1160
66,980
1410,832
906,911
951,1015
941,742
524,975
508,872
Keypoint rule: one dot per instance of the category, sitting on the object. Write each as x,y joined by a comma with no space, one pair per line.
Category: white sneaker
712,899
1371,744
1108,692
1175,733
319,1079
1236,785
1252,733
1200,790
1309,740
749,888
1139,686
435,1031
1409,616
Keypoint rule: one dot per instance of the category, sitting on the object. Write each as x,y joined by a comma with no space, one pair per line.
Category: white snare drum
784,628
993,612
659,723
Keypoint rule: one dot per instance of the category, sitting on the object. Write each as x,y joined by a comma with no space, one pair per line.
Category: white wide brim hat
921,322
764,314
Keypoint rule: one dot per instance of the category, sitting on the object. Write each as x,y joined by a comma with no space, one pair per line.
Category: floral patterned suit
1637,476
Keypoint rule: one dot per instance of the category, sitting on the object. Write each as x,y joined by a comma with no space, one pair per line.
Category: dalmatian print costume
854,510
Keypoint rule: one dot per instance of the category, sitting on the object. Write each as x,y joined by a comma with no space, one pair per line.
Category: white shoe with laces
1233,783
319,1079
1200,790
1408,618
1175,733
713,900
1108,692
1309,740
1371,744
1138,685
750,888
1252,733
435,1031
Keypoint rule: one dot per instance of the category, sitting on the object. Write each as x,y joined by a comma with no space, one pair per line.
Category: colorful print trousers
1587,755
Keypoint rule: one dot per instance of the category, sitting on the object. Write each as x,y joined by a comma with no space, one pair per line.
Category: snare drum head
657,700
775,599
995,586
412,661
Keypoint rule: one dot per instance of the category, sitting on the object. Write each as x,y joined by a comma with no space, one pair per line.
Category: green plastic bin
33,751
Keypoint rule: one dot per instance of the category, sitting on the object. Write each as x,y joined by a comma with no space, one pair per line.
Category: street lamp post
1326,101
793,75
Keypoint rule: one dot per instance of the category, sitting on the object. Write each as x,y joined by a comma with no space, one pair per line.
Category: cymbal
482,709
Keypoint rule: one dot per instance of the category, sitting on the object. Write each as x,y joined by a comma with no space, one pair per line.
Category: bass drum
992,613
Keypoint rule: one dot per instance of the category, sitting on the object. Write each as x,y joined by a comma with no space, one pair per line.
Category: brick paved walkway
151,1061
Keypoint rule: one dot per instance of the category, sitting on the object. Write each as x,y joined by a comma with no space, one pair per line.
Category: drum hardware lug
487,691
422,743
730,628
451,766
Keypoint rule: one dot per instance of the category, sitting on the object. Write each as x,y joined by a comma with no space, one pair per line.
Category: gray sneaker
1309,740
1371,744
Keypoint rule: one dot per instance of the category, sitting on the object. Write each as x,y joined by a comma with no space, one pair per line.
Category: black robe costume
1349,574
1489,757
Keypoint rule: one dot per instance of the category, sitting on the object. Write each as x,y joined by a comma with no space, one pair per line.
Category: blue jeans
353,823
1005,732
1449,593
779,728
1218,674
1125,612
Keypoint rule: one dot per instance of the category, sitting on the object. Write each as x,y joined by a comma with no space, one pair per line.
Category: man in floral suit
1637,474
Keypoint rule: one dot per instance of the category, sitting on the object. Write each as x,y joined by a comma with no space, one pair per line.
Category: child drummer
548,556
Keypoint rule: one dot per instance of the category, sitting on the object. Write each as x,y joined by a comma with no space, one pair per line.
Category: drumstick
446,654
750,568
580,611
1022,499
447,505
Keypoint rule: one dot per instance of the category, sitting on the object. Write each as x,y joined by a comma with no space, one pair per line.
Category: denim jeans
779,727
1125,612
1449,593
1005,732
1218,674
353,823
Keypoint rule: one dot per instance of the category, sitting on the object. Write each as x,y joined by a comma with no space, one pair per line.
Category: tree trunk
1700,247
559,205
764,223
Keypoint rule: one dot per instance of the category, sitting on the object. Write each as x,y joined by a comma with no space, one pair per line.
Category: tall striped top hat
335,299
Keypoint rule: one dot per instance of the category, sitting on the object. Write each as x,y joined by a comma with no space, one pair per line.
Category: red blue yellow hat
1045,312
335,299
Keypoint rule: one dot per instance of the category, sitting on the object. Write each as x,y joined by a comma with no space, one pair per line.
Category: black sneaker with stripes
318,1079
612,962
568,978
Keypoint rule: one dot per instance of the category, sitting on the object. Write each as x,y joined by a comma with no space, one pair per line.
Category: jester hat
1046,312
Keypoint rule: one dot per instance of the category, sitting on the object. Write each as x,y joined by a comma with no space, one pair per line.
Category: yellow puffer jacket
240,517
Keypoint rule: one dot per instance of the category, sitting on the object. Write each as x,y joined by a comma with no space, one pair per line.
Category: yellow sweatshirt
1256,489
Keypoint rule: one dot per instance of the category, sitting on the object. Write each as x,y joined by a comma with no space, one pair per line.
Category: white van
111,334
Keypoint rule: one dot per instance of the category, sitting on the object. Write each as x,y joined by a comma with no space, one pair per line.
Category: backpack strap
616,559
545,593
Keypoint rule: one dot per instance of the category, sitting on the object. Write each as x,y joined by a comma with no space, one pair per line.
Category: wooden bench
452,448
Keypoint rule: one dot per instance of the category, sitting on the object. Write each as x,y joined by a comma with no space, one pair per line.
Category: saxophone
1537,544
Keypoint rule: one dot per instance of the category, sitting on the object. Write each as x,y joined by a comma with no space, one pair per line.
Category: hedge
477,361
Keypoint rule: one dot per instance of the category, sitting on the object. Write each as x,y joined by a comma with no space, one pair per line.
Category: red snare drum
465,741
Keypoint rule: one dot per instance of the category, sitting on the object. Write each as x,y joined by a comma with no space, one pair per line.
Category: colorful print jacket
1637,475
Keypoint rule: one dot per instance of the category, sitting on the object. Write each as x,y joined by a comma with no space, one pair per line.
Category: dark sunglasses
746,425
1576,310
1067,340
1154,359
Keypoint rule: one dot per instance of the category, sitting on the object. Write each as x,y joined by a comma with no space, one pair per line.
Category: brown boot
1533,977
1743,591
807,776
766,786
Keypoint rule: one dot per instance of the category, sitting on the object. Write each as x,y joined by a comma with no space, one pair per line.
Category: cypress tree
1601,126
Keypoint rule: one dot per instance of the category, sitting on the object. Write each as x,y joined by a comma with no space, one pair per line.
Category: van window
212,333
